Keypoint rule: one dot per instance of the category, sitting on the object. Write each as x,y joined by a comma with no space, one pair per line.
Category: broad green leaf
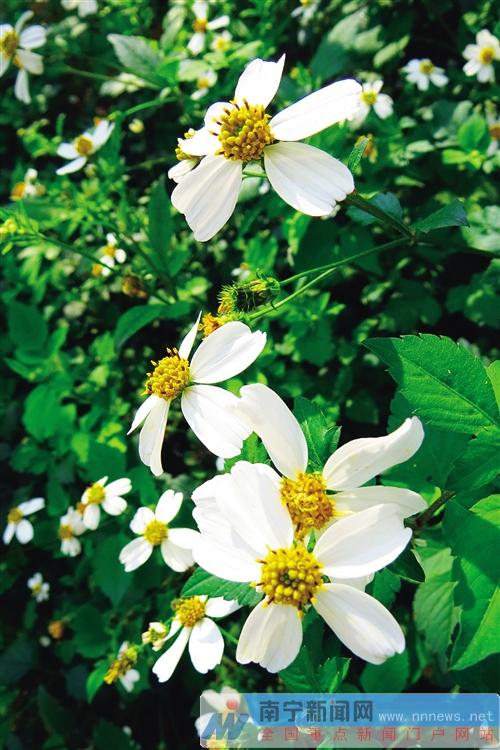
474,134
57,501
408,567
202,583
332,673
96,679
133,320
385,586
390,677
478,464
109,573
356,154
483,232
389,51
27,328
494,375
104,460
137,54
433,609
42,411
90,639
386,201
16,660
444,383
452,215
332,53
253,451
56,719
314,427
160,224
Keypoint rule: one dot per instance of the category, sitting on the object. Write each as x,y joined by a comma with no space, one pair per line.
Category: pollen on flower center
190,611
95,494
83,146
290,576
156,532
9,43
119,667
486,55
36,589
244,132
369,97
200,25
14,516
109,250
66,532
427,67
308,504
170,376
209,324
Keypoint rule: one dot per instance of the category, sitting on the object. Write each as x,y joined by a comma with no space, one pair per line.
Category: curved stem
228,635
354,199
137,108
421,521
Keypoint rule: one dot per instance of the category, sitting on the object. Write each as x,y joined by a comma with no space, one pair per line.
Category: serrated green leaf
137,54
408,567
27,327
202,583
478,464
133,320
314,427
452,215
385,586
386,201
483,232
109,573
253,451
356,154
332,673
433,608
444,383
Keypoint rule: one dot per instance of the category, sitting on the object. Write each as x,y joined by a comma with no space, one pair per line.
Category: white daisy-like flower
308,495
187,162
26,188
306,11
239,132
480,57
494,128
18,524
242,272
16,45
201,25
85,145
109,497
124,82
39,588
156,634
121,669
221,42
249,537
422,71
206,644
111,254
83,7
175,544
225,353
371,98
71,526
204,83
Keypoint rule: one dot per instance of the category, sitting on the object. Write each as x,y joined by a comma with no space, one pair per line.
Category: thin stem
291,296
150,163
422,520
137,108
354,199
228,635
87,74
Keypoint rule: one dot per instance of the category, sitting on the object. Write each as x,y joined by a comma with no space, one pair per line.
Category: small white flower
136,126
480,57
83,7
494,128
201,25
26,188
238,132
186,161
130,677
156,635
242,273
124,82
16,45
306,11
206,644
19,525
225,353
39,589
175,544
221,42
421,72
371,98
111,254
71,525
85,145
205,82
109,497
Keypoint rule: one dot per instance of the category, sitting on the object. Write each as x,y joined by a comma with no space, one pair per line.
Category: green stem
228,635
421,521
137,108
87,74
354,199
291,296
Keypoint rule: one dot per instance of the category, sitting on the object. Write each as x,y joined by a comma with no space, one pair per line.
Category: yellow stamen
132,286
9,43
309,506
209,324
97,269
66,532
427,67
170,376
56,629
36,589
156,532
95,494
109,250
369,97
14,515
81,508
486,55
18,191
83,146
290,576
190,611
200,25
119,667
244,132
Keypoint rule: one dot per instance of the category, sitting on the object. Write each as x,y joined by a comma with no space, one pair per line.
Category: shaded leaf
452,215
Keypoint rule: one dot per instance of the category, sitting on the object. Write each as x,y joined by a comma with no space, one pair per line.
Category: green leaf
478,464
133,320
444,383
76,681
332,673
300,676
408,567
390,677
202,583
90,639
332,54
494,375
475,540
27,328
160,223
57,499
433,609
109,736
109,573
452,215
314,427
454,156
137,54
483,232
356,154
386,201
15,662
56,719
96,679
253,451
390,50
104,458
386,585
474,134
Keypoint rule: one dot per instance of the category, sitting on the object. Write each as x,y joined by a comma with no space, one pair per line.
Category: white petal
207,195
166,664
168,506
259,82
143,411
71,547
135,553
119,487
9,532
32,506
4,61
129,679
67,151
226,352
361,622
92,516
34,580
274,423
183,538
205,410
383,106
220,607
205,494
22,20
218,23
140,521
307,178
177,558
152,435
206,645
5,28
221,551
114,505
32,61
317,111
271,637
485,74
200,9
178,171
33,37
407,501
360,460
21,87
189,339
212,117
202,143
73,166
362,543
439,79
196,43
101,134
24,531
121,255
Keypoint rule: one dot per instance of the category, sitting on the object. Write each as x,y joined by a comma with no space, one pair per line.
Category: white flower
423,71
17,523
71,525
206,644
238,132
226,352
111,254
242,273
124,82
370,97
494,128
26,188
186,161
109,497
156,635
175,544
216,702
221,42
205,82
350,467
130,677
39,589
201,25
306,11
249,537
480,57
83,7
85,145
16,45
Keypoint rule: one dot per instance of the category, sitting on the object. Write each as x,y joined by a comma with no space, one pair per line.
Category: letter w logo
220,728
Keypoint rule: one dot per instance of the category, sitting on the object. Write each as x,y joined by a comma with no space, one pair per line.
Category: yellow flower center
132,286
308,504
9,43
119,667
244,132
154,634
290,576
17,62
81,508
156,532
36,589
180,154
170,376
221,43
95,494
109,250
427,67
18,190
14,515
486,55
495,132
209,324
56,629
369,97
66,532
83,146
190,611
203,83
200,25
